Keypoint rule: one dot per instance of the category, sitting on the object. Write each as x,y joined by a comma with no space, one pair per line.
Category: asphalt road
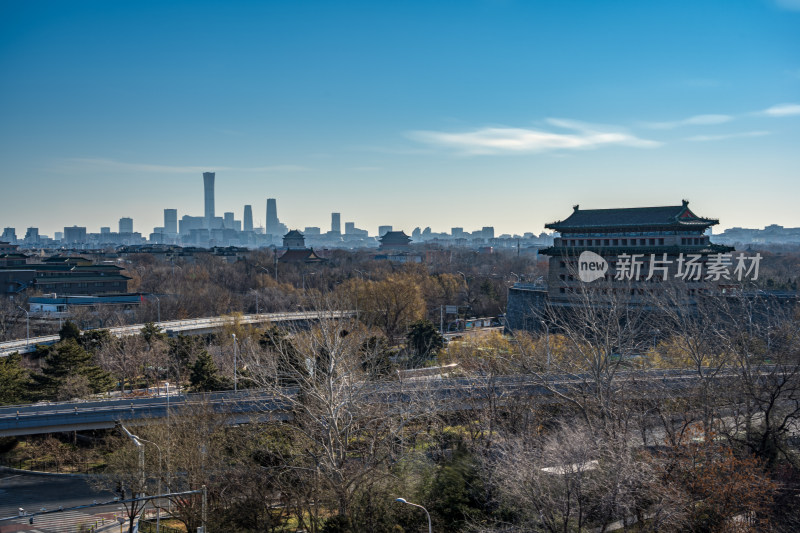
32,492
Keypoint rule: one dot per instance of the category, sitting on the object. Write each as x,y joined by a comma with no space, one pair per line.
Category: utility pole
204,511
235,387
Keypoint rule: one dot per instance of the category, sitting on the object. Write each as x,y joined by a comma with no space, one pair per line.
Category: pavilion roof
675,216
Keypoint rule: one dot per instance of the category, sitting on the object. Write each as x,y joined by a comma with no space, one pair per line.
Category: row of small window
693,240
630,233
643,266
658,277
81,285
632,292
614,242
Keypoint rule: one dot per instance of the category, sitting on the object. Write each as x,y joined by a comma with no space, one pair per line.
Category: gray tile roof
674,215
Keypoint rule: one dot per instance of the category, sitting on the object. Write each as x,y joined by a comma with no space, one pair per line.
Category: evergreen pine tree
205,374
424,340
151,333
92,340
14,380
69,331
67,360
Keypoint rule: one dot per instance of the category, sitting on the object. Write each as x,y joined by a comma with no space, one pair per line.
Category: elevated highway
450,394
195,326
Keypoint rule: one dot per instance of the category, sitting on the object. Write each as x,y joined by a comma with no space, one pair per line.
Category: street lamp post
169,474
235,381
27,326
158,303
140,446
158,516
268,272
430,526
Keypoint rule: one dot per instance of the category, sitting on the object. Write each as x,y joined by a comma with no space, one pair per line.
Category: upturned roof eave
563,226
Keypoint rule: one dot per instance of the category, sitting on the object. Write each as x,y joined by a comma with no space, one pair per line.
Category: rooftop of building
395,237
305,255
293,234
674,216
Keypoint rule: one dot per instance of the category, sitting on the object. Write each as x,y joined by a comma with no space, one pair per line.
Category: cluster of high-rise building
772,234
210,230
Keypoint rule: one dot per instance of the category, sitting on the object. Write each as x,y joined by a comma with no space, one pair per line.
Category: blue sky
459,113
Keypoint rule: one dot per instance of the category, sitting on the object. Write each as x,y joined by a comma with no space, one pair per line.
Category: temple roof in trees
631,218
395,238
305,255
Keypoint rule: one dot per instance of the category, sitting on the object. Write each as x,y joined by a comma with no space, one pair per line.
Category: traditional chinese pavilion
641,245
395,240
296,251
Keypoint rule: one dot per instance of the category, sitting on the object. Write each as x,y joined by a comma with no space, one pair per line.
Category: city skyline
172,216
488,113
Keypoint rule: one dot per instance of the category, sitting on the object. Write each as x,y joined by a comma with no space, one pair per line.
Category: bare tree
575,479
761,339
124,357
344,430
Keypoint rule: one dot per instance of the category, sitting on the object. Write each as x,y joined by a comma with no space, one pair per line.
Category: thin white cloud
113,165
697,120
740,135
504,140
782,110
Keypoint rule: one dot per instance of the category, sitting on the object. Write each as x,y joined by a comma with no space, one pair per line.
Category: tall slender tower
208,187
248,218
336,222
272,216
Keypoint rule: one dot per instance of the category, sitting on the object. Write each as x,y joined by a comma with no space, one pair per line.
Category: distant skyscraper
126,225
383,230
171,221
74,235
227,220
336,222
208,187
248,218
272,217
349,227
9,235
190,223
105,230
